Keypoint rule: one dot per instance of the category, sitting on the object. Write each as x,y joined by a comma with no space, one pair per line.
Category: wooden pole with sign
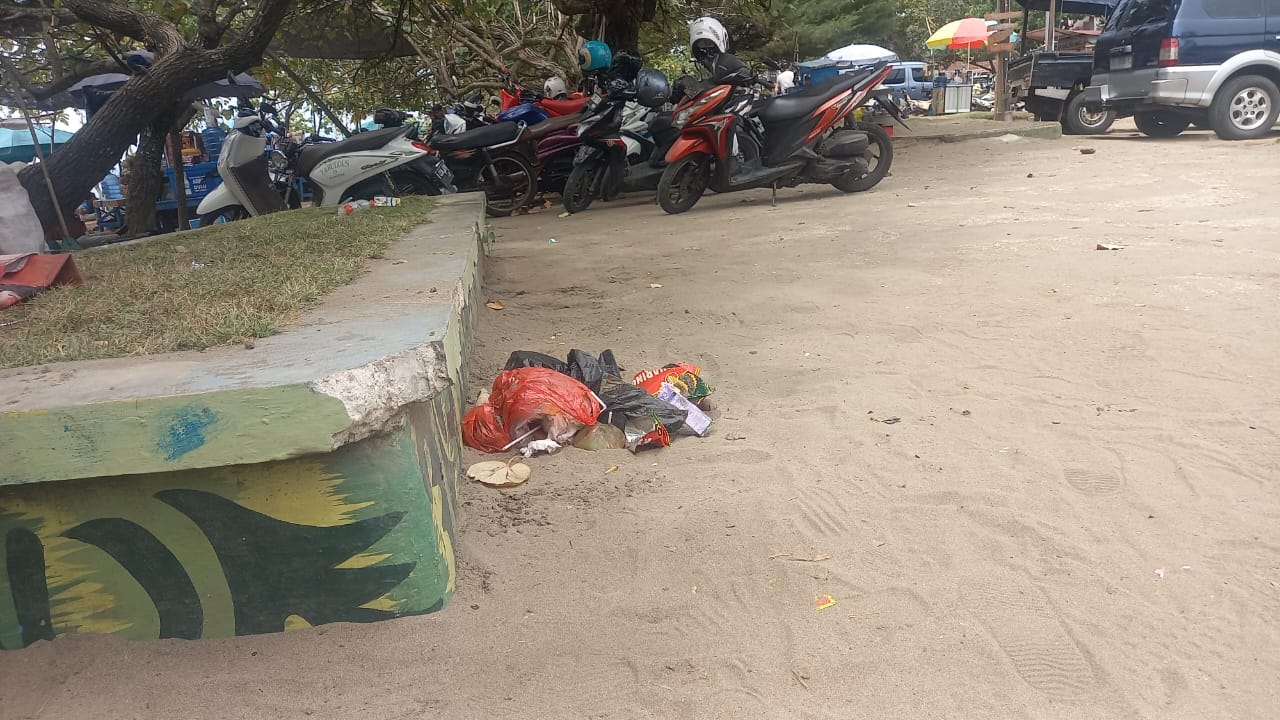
998,45
1051,26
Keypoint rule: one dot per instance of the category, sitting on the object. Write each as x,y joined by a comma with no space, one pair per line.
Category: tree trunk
77,166
146,177
621,20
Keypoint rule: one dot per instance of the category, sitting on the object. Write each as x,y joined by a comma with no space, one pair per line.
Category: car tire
1160,124
1245,108
1078,120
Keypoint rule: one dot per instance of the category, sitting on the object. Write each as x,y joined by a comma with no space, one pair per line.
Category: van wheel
1080,120
1160,124
1245,108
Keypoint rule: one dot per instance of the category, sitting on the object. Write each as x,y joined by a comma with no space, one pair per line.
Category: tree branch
43,92
207,24
144,27
246,50
23,21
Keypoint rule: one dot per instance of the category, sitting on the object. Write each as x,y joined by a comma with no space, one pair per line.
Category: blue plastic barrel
212,138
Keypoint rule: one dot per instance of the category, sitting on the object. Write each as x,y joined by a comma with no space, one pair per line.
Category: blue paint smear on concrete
185,431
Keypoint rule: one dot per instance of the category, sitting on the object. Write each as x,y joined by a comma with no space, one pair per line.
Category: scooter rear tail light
424,147
1169,52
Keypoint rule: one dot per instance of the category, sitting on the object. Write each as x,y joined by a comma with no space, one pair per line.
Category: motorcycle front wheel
879,156
683,183
231,213
579,189
509,183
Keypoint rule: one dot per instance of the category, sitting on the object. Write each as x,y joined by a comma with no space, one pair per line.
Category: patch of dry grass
193,290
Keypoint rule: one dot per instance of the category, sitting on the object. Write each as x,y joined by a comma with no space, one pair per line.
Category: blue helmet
594,55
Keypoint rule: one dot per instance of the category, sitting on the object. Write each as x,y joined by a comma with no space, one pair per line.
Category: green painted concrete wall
167,433
360,534
176,538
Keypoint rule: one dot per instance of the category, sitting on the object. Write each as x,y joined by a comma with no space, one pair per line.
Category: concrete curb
338,376
1044,131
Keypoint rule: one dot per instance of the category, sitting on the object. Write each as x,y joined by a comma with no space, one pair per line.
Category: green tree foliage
811,28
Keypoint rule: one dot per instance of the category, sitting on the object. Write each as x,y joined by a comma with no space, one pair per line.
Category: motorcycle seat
798,104
495,134
546,127
563,107
313,155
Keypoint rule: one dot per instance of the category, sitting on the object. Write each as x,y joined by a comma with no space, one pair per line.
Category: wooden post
1000,46
1051,26
179,175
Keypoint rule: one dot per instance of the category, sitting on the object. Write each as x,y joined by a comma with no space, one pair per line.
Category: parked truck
1052,83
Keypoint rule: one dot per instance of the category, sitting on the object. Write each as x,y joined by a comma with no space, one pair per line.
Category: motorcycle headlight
682,118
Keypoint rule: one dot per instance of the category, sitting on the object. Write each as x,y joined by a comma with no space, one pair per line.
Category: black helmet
652,88
627,65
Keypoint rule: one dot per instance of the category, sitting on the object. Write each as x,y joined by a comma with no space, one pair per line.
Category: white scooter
246,187
381,162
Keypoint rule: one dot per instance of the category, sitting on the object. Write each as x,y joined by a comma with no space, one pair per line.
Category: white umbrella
861,53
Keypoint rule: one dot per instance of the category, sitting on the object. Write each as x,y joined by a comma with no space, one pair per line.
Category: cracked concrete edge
374,395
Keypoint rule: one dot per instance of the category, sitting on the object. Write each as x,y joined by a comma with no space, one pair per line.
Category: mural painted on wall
361,534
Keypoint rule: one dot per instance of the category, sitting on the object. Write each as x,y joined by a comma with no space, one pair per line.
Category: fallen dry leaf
400,261
565,214
495,305
1105,246
655,286
613,469
496,473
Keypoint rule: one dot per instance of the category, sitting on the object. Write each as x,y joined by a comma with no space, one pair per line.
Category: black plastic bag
591,370
527,359
623,400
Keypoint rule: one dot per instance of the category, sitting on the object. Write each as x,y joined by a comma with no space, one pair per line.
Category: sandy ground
1072,420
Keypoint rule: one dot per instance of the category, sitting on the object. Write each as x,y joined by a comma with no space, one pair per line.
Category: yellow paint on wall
295,622
442,537
362,560
383,603
299,491
77,603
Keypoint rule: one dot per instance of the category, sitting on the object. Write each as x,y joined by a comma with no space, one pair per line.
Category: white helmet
555,87
709,29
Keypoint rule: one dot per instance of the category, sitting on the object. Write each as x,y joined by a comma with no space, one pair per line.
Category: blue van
1215,63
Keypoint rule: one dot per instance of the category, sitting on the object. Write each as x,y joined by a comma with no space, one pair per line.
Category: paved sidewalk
956,128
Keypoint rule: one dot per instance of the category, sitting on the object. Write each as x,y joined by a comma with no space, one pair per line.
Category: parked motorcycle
625,140
497,159
381,162
729,143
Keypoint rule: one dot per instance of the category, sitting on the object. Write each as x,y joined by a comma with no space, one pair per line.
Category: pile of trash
540,404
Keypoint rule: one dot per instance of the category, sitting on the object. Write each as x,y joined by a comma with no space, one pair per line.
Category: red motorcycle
730,141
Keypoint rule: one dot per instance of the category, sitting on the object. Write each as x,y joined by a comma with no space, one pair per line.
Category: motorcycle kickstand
775,194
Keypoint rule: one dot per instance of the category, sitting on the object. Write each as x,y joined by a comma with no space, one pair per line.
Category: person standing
786,79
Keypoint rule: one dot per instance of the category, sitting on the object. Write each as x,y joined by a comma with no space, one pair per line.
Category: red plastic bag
525,398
